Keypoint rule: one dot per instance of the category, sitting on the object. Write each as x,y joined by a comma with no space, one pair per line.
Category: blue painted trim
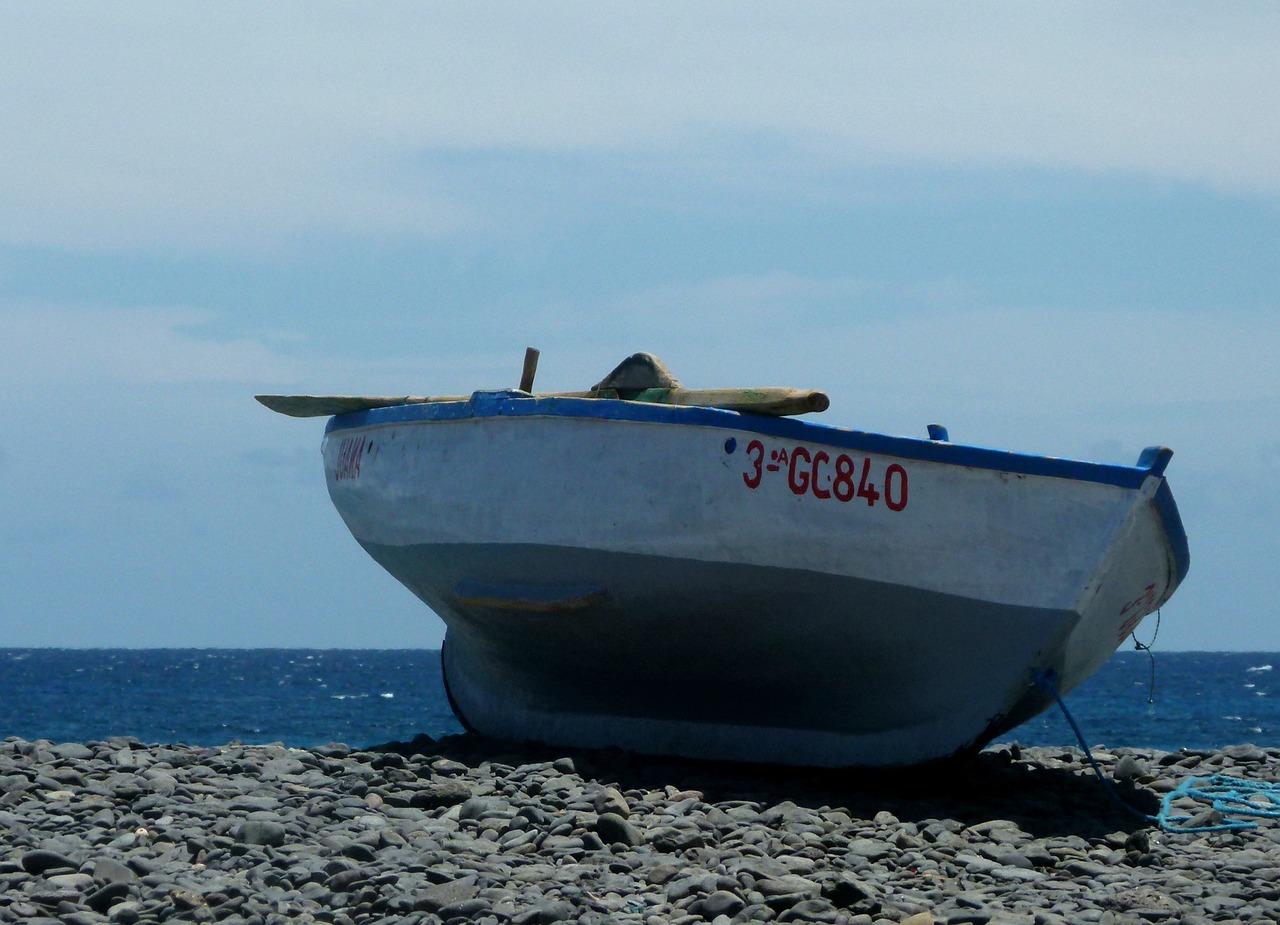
1173,531
1155,459
510,404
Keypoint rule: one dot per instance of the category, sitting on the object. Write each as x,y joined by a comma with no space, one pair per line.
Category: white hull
640,576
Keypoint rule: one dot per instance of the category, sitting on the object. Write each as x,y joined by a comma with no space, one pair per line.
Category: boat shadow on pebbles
1046,792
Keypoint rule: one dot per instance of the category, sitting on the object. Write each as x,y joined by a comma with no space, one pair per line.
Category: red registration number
350,453
817,473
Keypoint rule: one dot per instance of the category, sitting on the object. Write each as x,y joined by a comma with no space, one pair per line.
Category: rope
1047,681
1228,796
1146,647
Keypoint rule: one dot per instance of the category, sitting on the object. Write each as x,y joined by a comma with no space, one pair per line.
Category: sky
1053,228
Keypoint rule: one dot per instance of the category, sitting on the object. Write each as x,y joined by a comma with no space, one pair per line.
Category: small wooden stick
530,369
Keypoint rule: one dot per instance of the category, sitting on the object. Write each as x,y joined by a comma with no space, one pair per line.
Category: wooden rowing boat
694,578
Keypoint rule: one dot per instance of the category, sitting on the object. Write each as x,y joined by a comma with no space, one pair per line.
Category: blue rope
1229,796
1048,681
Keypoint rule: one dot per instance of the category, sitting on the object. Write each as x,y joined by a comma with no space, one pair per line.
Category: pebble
471,830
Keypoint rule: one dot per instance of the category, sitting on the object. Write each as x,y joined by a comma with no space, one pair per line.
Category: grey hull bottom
713,660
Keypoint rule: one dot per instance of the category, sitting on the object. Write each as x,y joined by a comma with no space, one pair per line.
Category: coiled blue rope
1229,796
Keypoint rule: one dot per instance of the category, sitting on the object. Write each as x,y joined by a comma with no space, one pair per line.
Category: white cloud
70,347
934,337
177,127
1074,358
57,350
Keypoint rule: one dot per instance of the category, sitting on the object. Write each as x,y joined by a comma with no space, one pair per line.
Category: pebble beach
469,830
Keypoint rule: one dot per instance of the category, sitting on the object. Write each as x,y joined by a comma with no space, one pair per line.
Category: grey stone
105,897
282,767
51,897
1005,857
981,917
447,792
614,829
449,767
125,913
872,849
437,896
545,912
780,886
475,808
14,783
160,782
1245,753
1127,768
1204,819
187,899
690,884
468,908
41,861
810,910
358,851
721,902
662,873
261,832
848,892
80,918
78,882
344,880
675,838
611,800
109,870
66,776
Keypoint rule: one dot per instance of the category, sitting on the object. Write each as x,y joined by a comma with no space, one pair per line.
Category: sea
304,698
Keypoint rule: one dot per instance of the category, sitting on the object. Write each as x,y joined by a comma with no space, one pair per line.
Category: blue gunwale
503,404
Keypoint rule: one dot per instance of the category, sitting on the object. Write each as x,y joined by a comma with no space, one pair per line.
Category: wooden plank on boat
313,406
776,402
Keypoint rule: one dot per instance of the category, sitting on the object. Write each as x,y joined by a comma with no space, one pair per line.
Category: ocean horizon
308,697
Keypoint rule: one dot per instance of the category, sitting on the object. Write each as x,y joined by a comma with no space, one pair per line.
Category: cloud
92,351
937,336
145,485
297,465
67,346
1075,357
187,128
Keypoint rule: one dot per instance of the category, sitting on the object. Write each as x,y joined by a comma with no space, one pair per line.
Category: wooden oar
773,402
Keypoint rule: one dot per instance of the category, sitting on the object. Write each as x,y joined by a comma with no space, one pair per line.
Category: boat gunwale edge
516,404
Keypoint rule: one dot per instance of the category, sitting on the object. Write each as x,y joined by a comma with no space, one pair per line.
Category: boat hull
648,580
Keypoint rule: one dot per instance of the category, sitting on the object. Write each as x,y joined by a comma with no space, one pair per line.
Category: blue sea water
362,697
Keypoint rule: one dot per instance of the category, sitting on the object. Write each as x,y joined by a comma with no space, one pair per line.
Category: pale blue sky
1053,230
